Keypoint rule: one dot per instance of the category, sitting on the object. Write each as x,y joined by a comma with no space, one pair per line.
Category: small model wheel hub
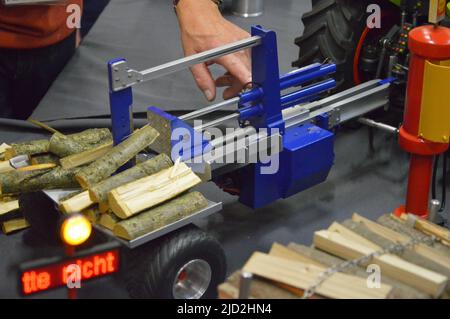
192,280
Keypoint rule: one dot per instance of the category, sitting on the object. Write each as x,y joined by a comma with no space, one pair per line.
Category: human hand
203,28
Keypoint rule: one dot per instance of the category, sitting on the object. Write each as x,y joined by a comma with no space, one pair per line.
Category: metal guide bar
123,77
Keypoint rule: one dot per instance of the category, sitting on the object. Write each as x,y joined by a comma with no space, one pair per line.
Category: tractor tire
186,264
332,31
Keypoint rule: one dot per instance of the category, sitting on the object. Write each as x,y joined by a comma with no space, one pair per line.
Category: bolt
116,69
445,138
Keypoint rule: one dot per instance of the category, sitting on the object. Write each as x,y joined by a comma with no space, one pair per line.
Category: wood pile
409,256
138,200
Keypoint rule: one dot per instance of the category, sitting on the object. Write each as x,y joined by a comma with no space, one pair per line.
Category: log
5,167
65,145
399,290
27,148
99,192
109,221
53,179
76,203
45,159
85,157
161,216
16,178
303,276
14,225
6,207
408,273
132,198
119,155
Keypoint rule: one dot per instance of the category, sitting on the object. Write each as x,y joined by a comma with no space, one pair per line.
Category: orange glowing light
75,230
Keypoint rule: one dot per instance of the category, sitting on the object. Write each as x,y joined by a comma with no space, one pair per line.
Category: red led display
39,279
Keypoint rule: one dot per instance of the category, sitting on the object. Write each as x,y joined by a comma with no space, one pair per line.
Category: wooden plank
411,274
281,251
85,157
303,276
147,192
7,207
14,225
348,233
76,203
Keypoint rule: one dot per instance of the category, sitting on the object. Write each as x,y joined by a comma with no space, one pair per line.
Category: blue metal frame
307,156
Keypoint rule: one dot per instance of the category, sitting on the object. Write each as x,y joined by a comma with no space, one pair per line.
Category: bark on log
16,178
161,216
99,192
27,148
66,145
54,179
399,290
92,214
105,166
45,159
85,157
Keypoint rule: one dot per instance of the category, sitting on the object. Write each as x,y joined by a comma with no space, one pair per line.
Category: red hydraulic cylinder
426,43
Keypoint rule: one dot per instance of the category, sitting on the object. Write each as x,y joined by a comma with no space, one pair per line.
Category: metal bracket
123,76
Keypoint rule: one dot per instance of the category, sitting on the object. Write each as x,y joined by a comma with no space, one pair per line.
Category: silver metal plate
212,208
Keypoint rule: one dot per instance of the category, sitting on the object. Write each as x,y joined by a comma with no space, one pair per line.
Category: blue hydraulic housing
305,161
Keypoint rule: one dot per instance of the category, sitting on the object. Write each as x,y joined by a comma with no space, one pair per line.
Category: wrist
196,7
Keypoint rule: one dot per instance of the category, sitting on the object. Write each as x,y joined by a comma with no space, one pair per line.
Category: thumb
204,80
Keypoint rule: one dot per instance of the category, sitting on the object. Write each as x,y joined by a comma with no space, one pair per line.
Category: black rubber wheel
152,270
332,31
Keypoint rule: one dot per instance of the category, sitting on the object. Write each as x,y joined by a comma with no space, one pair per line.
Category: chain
397,249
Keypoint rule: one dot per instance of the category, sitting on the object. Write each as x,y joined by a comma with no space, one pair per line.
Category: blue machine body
305,161
307,155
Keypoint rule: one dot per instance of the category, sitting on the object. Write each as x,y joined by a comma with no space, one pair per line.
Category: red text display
43,278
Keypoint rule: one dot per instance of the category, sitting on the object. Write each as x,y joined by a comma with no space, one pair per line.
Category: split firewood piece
65,145
303,276
35,181
27,148
132,198
92,214
119,155
5,166
99,192
44,159
76,203
396,237
399,290
85,157
393,266
14,225
9,206
36,167
163,215
428,228
109,221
